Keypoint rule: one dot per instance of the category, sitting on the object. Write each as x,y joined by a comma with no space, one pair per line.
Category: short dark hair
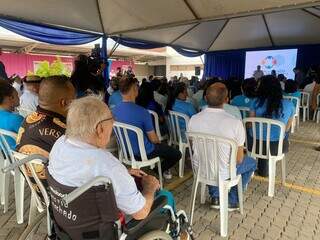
290,86
126,83
216,94
249,87
6,90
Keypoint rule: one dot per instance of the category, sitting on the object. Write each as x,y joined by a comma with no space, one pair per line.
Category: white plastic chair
157,126
316,115
296,120
245,111
205,162
5,161
39,201
258,125
126,155
305,105
177,136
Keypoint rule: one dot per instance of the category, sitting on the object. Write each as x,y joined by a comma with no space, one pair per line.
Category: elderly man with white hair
80,155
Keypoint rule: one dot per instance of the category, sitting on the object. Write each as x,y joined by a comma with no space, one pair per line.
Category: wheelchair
162,222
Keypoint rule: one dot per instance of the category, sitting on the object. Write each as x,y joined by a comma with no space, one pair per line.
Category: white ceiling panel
164,35
202,35
245,32
294,27
120,15
79,14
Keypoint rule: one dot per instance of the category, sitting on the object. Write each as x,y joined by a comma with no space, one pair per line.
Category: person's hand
150,183
137,173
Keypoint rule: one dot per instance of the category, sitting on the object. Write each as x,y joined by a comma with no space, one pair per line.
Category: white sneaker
167,175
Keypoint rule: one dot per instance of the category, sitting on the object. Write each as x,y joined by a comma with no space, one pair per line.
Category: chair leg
304,112
182,160
203,193
240,195
283,170
33,208
293,125
160,174
19,195
272,177
2,181
223,197
314,115
308,113
6,191
193,198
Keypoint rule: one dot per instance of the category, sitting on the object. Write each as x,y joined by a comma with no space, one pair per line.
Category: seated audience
89,127
29,98
9,120
248,88
299,76
197,97
270,104
234,86
41,129
130,113
146,99
315,92
115,97
161,94
282,79
216,121
291,89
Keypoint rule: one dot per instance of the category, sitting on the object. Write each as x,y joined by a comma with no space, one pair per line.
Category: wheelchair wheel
156,235
28,233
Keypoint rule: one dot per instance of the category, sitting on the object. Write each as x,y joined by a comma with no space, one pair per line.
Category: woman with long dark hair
248,87
270,104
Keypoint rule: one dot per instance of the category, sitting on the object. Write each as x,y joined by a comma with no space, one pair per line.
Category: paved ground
292,214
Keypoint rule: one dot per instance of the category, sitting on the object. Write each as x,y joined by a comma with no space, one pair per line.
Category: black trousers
169,155
263,165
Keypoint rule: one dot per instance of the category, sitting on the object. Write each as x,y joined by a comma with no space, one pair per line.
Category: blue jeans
246,168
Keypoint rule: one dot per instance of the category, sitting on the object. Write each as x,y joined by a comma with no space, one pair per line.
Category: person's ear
99,130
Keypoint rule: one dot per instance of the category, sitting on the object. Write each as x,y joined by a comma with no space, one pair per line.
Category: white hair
83,116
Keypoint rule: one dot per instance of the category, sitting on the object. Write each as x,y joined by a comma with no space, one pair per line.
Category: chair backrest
126,154
156,123
295,101
4,146
207,153
305,99
261,131
245,111
177,135
90,212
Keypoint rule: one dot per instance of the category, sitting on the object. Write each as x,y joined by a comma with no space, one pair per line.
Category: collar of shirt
209,109
29,92
79,143
51,114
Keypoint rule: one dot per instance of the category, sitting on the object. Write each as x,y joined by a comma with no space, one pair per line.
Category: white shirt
233,110
309,88
257,74
216,121
28,101
74,163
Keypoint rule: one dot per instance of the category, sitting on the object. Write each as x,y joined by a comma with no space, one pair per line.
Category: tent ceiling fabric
195,24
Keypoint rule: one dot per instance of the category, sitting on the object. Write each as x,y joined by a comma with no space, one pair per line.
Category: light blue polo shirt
183,107
133,114
114,99
11,122
241,101
287,112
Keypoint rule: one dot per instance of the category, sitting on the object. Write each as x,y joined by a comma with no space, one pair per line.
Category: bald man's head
55,93
217,95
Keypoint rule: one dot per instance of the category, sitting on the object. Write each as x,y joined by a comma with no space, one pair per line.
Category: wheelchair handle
80,190
34,157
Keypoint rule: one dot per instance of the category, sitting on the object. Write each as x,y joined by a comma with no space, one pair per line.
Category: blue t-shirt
286,113
11,122
135,115
241,101
114,99
183,107
296,94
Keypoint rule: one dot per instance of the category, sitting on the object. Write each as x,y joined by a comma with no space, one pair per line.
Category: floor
293,213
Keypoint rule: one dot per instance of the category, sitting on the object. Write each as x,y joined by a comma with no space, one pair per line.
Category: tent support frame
268,30
223,27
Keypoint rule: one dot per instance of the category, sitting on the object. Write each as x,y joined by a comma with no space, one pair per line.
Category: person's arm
289,124
150,185
240,154
152,136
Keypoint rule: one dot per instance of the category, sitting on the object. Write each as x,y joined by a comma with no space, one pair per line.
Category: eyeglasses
107,119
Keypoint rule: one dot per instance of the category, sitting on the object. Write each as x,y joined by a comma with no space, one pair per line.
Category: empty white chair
260,150
316,115
5,161
296,119
177,135
245,111
157,125
304,105
126,155
205,162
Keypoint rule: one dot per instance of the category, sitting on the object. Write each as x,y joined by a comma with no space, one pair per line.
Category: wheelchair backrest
90,216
